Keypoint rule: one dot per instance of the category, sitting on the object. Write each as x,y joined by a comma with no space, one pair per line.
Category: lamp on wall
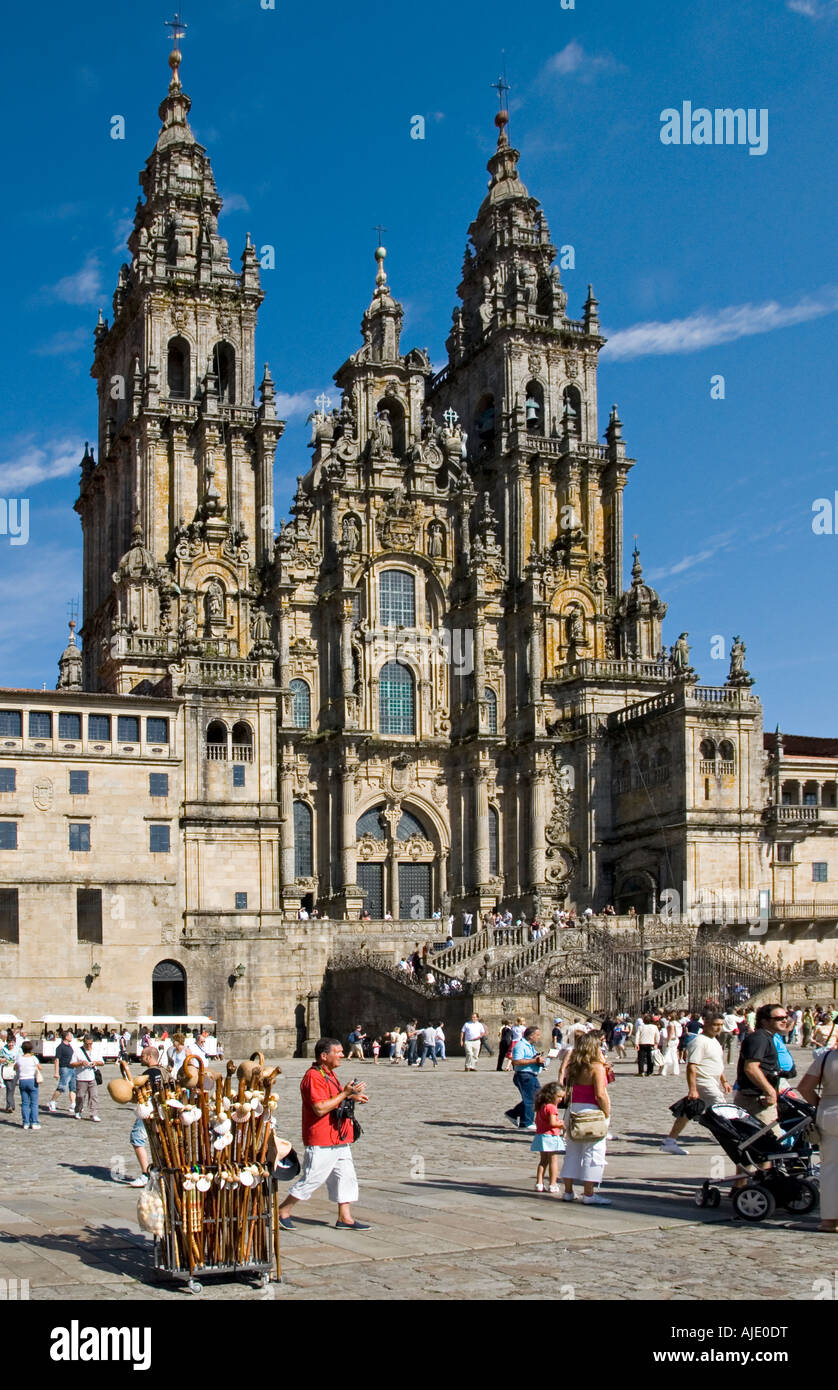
95,970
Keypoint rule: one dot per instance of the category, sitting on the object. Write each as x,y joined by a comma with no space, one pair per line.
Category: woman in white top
671,1033
646,1039
822,1077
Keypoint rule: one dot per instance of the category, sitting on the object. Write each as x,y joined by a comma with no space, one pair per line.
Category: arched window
301,704
494,841
707,750
217,741
535,408
491,709
484,421
370,824
727,755
572,410
177,370
397,599
409,825
242,743
303,855
224,366
396,699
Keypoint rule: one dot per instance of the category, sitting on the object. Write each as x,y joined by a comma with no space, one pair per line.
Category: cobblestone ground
449,1188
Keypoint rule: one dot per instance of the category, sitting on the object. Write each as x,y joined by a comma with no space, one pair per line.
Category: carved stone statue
188,621
385,431
436,540
351,534
215,602
575,628
680,655
737,674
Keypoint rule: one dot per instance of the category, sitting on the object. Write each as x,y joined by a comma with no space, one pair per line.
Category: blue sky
706,260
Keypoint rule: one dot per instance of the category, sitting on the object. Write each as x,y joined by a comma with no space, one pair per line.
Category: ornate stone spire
69,664
382,322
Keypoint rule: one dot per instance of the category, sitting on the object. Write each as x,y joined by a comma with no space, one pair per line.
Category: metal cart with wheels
224,1229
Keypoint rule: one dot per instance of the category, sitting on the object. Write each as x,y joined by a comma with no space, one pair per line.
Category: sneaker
352,1226
539,1187
529,1127
286,1223
34,1126
568,1197
671,1146
52,1107
554,1187
141,1181
26,1126
97,1119
76,1115
596,1201
513,1119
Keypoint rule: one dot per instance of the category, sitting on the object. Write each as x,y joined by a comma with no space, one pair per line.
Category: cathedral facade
430,691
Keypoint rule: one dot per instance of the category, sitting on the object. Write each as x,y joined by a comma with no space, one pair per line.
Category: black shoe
287,1224
352,1226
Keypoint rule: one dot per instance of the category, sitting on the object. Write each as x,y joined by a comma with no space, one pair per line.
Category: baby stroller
789,1182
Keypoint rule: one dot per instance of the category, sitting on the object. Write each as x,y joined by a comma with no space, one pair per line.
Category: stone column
481,829
537,846
393,864
286,817
535,658
264,498
479,660
282,633
346,666
347,790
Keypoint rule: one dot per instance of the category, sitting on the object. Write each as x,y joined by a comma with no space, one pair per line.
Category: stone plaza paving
449,1187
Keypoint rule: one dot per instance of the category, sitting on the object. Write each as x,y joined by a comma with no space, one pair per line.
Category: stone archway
168,989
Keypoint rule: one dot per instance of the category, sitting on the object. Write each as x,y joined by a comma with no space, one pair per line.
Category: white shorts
331,1165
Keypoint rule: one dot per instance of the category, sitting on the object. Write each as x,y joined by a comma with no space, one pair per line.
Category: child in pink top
547,1141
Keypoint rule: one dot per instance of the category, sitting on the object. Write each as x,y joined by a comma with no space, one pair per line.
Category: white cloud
301,403
84,287
708,328
235,202
573,61
814,9
122,229
73,340
33,463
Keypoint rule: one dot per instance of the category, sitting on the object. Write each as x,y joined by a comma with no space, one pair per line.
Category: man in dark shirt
65,1072
758,1072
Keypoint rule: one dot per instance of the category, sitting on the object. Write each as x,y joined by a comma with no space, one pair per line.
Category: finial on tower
502,117
380,253
178,29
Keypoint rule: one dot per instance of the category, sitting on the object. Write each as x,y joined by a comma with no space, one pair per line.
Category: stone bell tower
177,513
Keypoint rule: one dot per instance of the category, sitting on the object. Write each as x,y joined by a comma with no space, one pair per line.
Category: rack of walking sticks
211,1151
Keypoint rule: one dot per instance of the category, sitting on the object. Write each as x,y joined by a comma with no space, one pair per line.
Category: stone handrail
811,909
463,949
528,955
792,813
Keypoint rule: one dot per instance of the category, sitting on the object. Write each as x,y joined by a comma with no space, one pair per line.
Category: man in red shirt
328,1139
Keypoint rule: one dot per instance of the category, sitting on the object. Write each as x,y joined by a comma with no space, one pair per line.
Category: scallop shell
145,1109
241,1114
223,1127
191,1115
246,1178
204,1183
222,1141
175,1104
